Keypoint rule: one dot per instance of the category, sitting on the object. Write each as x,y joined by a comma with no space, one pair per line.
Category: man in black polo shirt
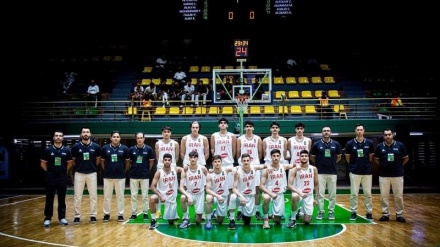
56,160
391,156
359,152
325,154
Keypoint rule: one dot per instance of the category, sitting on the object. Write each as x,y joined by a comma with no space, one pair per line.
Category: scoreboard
234,10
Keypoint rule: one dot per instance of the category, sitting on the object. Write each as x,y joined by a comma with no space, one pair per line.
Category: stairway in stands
124,82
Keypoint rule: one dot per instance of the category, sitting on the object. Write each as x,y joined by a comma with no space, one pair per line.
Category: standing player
224,143
163,146
164,186
194,142
142,159
192,187
273,185
302,182
86,156
218,193
244,187
359,152
251,144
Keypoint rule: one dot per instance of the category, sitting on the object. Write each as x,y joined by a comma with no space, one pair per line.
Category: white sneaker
64,222
46,223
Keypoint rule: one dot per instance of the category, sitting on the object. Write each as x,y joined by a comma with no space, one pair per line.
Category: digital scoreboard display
234,10
241,48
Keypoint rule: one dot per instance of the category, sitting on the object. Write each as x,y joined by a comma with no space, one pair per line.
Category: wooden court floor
21,219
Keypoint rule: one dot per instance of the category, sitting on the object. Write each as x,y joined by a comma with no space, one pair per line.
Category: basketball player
302,182
164,186
251,144
224,143
217,193
244,187
273,185
163,146
194,142
192,187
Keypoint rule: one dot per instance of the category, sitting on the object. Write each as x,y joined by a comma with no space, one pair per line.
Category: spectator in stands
227,86
164,91
161,66
70,79
324,106
201,91
93,93
188,93
396,101
180,75
138,93
150,91
176,91
147,103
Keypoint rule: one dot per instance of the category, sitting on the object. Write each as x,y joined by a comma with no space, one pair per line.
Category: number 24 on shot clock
241,48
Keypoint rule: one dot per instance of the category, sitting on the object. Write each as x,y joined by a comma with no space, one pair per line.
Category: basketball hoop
242,103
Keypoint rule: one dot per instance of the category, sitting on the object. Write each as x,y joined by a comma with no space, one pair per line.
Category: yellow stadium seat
255,110
265,80
194,69
146,82
229,67
205,81
213,110
295,109
188,110
310,109
303,80
333,94
293,94
131,110
174,110
169,81
278,94
147,69
329,79
160,111
316,80
278,80
228,110
217,67
283,109
290,80
205,69
218,81
156,81
318,93
194,81
324,66
306,94
269,109
252,66
200,110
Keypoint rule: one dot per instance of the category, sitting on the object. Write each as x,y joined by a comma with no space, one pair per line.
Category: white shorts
222,208
248,208
199,202
170,212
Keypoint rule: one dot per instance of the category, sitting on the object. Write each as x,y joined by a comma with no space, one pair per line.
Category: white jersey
195,181
218,183
304,180
296,147
272,144
194,145
167,184
276,179
165,148
249,146
247,182
223,147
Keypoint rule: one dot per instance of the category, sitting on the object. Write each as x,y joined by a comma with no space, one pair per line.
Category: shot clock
241,48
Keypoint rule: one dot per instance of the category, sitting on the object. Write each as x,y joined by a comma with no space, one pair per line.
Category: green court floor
255,233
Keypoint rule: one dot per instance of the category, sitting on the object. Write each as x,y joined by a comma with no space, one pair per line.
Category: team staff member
391,156
142,159
359,152
86,155
56,160
116,160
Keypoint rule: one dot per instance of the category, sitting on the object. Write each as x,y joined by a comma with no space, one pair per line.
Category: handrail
117,110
